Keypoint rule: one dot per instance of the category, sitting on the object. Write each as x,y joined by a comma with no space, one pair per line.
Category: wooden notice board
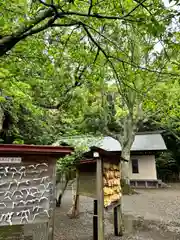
99,178
27,191
111,180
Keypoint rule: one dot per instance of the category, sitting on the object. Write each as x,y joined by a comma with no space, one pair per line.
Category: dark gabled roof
143,142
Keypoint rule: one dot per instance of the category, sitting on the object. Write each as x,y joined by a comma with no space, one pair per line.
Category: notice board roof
57,151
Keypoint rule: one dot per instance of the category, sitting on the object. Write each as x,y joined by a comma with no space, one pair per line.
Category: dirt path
150,215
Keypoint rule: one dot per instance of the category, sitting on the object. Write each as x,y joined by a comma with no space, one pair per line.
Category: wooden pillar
95,221
100,198
51,222
118,221
77,191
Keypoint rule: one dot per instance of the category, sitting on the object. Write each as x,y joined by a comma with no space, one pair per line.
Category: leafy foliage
70,67
167,167
81,144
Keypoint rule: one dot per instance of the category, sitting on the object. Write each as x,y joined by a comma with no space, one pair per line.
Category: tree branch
50,6
109,133
144,68
39,29
78,76
97,54
139,4
60,104
118,59
69,36
106,38
90,7
145,7
73,23
106,56
8,42
99,16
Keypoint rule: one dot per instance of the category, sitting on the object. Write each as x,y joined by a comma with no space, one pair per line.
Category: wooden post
100,198
115,222
95,221
51,222
77,191
118,219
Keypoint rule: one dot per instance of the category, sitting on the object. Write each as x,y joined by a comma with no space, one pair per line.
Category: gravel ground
149,215
154,204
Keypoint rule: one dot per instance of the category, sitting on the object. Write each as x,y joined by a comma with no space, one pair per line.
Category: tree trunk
60,195
179,176
1,118
126,140
74,211
125,174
